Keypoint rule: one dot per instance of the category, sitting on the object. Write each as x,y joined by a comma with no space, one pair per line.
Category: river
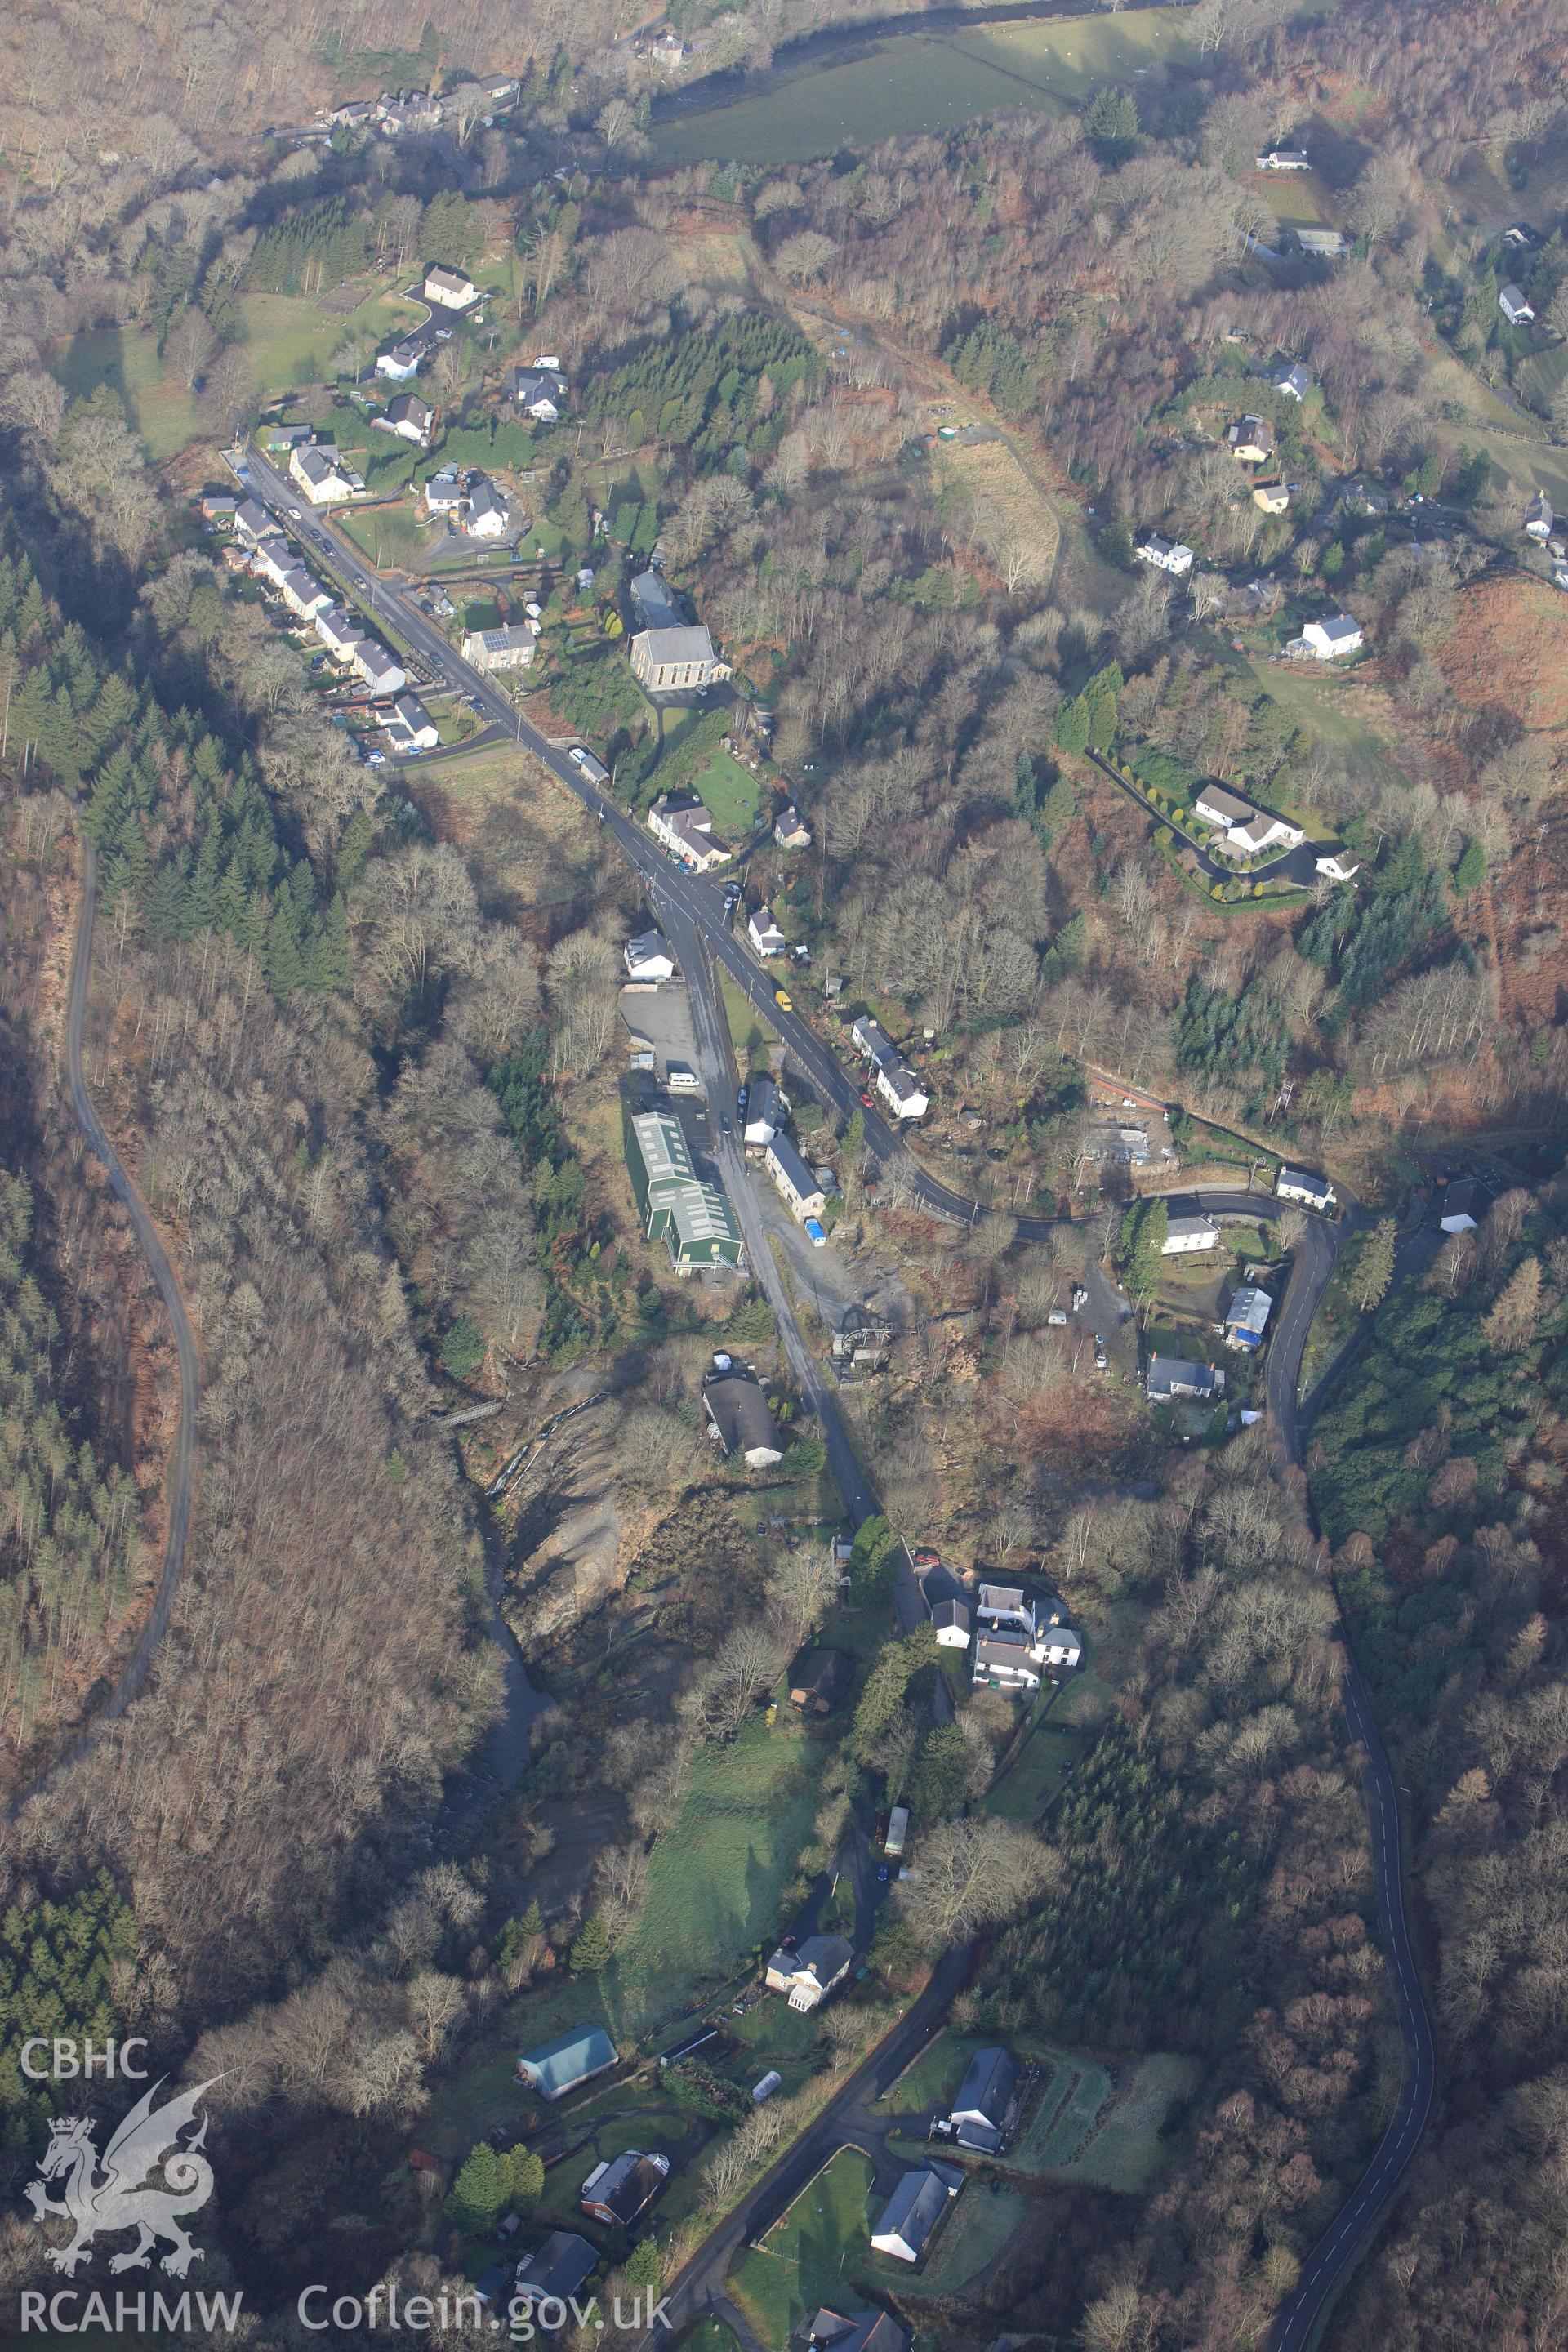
855,85
496,1767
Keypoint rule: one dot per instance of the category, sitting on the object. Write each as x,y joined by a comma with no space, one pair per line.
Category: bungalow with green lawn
559,2067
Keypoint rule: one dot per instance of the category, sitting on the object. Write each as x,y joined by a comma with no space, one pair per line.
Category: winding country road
182,1466
692,911
1344,2242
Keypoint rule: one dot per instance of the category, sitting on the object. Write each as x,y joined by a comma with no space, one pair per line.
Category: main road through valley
182,1460
691,910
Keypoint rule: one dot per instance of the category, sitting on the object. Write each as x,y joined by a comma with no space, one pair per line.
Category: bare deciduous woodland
356,1029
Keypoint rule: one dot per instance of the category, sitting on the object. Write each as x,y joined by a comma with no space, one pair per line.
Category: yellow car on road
783,1000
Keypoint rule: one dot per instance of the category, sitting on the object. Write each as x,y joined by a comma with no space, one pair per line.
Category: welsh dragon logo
103,2196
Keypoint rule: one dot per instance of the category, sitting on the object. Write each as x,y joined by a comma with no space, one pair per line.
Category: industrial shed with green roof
558,2066
692,1219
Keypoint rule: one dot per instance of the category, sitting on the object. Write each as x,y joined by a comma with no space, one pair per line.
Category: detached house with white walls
409,417
1538,519
450,289
1165,554
764,934
1247,830
1251,441
321,474
1326,640
539,392
1184,1235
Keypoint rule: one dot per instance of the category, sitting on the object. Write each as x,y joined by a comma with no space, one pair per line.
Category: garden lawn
934,2077
158,408
1039,1777
717,1878
730,793
635,2118
711,2335
804,2261
984,2221
1087,1695
1296,199
774,2033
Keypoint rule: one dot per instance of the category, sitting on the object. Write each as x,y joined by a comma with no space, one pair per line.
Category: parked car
742,1099
867,1099
576,755
1057,1315
783,1000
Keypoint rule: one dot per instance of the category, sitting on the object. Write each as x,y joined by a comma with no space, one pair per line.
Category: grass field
290,338
993,476
158,409
804,2260
1065,2115
732,795
915,82
1530,465
1070,57
1333,711
1296,199
1544,374
388,534
716,1878
753,1035
1127,2150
